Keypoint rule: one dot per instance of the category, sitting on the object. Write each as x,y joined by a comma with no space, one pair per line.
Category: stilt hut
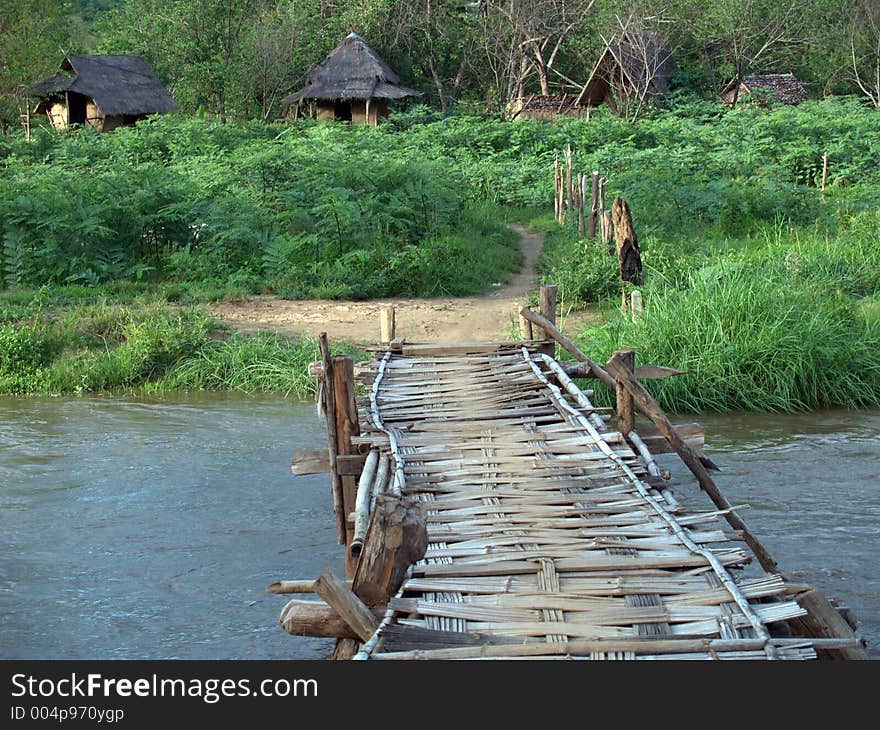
352,84
762,89
103,92
638,66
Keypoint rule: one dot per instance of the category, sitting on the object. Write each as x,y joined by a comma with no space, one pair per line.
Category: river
148,528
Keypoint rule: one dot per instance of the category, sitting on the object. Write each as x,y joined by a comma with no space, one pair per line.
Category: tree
538,29
740,35
32,36
865,48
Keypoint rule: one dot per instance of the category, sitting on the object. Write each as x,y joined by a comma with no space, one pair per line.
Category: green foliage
68,340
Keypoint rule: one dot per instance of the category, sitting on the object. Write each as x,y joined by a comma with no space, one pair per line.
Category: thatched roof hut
782,88
639,65
104,92
353,83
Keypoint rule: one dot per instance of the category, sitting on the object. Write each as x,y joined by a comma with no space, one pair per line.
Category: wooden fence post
625,405
548,311
347,426
594,207
386,324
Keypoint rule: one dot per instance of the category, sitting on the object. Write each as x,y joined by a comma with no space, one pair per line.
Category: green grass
143,345
750,343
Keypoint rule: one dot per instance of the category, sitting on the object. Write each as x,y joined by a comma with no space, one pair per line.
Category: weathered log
608,231
310,462
626,242
352,610
652,410
316,618
396,538
823,621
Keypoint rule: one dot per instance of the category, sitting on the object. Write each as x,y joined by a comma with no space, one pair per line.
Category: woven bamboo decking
545,536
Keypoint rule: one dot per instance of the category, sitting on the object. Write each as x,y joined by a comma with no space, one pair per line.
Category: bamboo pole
642,645
568,188
362,503
652,410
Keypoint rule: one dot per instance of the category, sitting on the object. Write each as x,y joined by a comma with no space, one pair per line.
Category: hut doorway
342,111
76,109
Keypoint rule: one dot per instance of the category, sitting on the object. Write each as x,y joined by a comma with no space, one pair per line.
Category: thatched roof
784,88
118,84
352,70
642,60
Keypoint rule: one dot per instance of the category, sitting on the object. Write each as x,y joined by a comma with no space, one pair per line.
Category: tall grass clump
750,343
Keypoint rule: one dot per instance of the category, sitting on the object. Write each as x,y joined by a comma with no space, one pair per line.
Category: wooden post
625,413
386,323
525,328
396,538
823,621
568,190
346,426
636,306
647,405
316,618
556,188
332,440
824,170
349,607
548,311
581,193
594,207
628,255
608,231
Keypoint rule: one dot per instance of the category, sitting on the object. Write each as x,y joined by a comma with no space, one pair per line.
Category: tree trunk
628,254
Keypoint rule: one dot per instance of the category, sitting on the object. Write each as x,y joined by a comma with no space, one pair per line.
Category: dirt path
486,317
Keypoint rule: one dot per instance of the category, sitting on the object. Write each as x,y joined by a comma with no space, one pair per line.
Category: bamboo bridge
490,510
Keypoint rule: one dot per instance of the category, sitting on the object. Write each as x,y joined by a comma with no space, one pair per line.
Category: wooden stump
627,244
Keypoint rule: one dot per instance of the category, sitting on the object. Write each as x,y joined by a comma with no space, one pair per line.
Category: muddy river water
148,528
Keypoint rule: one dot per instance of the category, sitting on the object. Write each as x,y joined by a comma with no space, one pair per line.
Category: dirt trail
485,317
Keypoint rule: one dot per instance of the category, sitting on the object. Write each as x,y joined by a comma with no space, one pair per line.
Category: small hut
781,88
638,66
103,92
546,108
352,84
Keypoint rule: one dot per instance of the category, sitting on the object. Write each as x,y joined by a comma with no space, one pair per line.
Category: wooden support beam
316,461
285,587
642,372
349,607
652,410
347,426
316,618
396,538
551,331
332,436
626,419
823,621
